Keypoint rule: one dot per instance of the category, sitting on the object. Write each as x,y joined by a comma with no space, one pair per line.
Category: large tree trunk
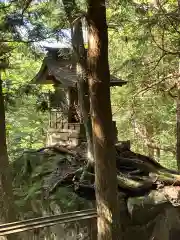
7,209
178,130
101,115
71,10
178,123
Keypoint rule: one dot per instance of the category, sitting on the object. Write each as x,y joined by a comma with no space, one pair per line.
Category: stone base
71,134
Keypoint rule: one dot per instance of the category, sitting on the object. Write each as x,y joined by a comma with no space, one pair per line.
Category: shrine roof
59,66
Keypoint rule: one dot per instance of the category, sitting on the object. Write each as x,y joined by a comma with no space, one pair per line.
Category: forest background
143,50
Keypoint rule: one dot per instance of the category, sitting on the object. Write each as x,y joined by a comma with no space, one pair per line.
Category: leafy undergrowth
33,173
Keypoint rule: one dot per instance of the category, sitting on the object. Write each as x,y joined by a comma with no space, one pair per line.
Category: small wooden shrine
65,125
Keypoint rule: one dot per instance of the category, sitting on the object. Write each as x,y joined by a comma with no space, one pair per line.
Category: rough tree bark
71,10
101,115
83,89
178,111
178,122
7,208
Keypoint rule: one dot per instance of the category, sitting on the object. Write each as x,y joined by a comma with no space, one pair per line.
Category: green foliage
144,50
34,173
26,127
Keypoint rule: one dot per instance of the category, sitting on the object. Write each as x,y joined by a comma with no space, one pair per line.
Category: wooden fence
41,222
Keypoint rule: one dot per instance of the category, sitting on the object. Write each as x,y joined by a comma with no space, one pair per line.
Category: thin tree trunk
81,58
158,154
73,102
83,89
7,208
103,138
149,135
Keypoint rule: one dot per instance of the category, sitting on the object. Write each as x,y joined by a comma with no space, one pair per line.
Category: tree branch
151,144
142,91
164,50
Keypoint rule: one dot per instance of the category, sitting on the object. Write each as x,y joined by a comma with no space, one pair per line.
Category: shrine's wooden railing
56,118
41,222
